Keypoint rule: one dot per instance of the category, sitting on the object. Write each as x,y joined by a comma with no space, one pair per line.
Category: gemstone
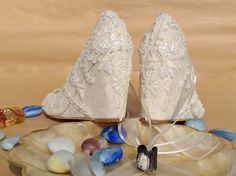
90,145
143,162
9,143
108,156
111,134
2,135
58,162
61,143
10,116
224,133
86,166
198,124
32,111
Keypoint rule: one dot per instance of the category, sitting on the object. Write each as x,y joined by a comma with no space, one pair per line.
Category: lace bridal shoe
165,65
97,86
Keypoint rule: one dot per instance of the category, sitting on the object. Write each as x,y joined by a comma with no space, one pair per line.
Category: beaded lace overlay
165,64
97,86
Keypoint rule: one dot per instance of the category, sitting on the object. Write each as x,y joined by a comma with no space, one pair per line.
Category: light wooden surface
40,40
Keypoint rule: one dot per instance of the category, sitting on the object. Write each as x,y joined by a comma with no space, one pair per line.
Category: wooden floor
40,40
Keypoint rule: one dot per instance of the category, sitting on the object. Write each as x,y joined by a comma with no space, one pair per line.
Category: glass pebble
90,145
9,143
111,134
10,116
108,156
62,143
224,133
58,162
84,165
198,124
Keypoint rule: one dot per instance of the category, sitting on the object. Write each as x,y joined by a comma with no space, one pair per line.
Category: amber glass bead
10,116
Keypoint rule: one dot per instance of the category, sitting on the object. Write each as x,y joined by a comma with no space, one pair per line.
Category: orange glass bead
10,116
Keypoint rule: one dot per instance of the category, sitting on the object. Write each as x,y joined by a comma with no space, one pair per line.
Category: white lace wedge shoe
97,86
165,67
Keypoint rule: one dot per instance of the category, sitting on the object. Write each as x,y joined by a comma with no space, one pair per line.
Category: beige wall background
40,40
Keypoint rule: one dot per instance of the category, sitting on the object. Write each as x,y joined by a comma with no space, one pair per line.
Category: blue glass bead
108,156
32,111
224,133
111,134
198,124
